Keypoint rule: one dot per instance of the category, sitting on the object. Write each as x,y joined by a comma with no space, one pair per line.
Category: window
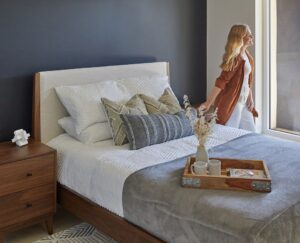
283,89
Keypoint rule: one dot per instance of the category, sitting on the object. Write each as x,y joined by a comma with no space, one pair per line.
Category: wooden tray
226,182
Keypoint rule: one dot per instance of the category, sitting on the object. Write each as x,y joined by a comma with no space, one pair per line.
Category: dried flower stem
203,123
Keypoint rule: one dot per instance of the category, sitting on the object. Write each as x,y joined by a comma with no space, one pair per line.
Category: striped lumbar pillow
134,106
167,103
145,130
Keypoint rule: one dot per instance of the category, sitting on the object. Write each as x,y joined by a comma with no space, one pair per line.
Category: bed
84,192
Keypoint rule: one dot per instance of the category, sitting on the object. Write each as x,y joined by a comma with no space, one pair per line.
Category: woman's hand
204,106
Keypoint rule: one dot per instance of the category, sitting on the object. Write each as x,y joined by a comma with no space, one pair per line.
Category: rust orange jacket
230,83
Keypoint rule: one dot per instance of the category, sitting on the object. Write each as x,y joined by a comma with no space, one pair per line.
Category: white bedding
98,171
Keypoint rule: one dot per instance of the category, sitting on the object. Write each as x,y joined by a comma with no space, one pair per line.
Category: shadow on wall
103,61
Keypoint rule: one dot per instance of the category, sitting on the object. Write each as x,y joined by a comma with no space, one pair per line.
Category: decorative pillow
97,132
82,101
135,106
145,130
167,103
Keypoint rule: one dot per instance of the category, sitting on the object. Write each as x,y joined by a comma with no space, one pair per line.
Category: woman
232,94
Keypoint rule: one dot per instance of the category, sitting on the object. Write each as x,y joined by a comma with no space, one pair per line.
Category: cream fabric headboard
47,109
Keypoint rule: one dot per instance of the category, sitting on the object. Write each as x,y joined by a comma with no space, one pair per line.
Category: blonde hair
233,46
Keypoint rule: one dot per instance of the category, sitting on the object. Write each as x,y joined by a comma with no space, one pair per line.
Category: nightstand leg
1,237
49,225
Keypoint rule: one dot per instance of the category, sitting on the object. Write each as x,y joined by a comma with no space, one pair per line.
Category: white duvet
98,171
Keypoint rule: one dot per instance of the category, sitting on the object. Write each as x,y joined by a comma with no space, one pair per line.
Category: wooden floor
63,220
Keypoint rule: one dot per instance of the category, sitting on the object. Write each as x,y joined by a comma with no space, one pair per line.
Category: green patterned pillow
167,103
135,106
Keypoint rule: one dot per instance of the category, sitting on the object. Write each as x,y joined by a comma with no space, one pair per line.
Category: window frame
266,83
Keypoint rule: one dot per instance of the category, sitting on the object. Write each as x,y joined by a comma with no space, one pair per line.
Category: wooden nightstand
27,186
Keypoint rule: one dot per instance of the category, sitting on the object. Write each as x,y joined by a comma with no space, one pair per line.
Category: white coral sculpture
20,137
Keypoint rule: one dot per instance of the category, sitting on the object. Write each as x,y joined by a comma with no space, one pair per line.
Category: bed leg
49,225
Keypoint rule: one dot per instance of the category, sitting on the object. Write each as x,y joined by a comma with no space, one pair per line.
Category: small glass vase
202,154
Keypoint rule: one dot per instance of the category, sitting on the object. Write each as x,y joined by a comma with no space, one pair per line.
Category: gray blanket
154,199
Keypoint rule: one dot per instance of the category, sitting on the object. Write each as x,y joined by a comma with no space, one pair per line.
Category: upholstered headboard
47,109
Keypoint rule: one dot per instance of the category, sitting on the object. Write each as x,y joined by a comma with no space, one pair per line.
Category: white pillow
83,102
97,132
153,85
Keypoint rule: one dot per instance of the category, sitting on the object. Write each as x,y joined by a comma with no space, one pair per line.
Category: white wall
221,15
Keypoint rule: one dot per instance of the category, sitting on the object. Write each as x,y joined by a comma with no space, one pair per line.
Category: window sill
284,134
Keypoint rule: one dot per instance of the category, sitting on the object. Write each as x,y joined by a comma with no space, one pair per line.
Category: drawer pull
28,205
29,174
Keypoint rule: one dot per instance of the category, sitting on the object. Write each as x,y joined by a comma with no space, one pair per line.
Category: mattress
98,171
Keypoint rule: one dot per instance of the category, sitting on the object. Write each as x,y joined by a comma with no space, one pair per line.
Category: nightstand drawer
24,205
25,174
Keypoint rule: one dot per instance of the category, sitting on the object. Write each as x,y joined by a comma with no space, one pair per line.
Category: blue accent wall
40,35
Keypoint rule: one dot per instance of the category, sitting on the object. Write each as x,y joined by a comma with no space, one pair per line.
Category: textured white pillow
97,132
153,85
83,102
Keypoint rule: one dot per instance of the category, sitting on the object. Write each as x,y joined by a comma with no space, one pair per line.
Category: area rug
81,233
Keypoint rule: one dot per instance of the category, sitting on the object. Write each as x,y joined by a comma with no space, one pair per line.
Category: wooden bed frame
114,226
106,222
